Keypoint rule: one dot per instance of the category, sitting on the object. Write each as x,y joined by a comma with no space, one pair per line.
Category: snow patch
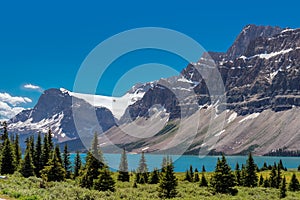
231,117
252,116
270,55
218,134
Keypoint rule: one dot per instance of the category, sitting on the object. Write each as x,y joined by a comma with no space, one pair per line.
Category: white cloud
9,105
33,87
7,98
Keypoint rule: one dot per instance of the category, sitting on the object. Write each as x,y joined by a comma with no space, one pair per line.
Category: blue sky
43,43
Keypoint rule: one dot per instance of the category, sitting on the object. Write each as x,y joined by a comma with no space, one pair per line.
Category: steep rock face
55,109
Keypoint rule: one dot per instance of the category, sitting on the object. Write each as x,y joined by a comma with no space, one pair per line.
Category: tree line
43,159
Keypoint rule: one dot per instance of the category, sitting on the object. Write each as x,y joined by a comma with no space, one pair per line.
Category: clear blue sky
44,42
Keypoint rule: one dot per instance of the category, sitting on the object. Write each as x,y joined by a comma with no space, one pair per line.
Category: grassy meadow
17,187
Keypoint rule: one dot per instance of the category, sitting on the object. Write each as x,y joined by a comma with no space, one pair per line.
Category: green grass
17,187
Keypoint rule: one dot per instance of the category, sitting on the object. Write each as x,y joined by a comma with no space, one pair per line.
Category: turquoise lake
183,162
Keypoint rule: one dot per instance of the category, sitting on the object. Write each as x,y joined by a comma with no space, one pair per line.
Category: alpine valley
261,113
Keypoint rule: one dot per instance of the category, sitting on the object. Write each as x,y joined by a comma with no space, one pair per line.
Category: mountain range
175,115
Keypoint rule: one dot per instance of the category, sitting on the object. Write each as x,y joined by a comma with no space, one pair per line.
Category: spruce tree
299,168
123,168
203,181
142,171
203,168
49,140
278,177
154,176
168,183
54,170
261,180
27,167
4,136
77,165
58,154
196,176
45,152
37,159
273,177
294,184
7,162
237,174
104,182
191,173
94,163
250,179
67,162
243,175
265,167
17,151
187,176
223,180
283,188
266,183
31,144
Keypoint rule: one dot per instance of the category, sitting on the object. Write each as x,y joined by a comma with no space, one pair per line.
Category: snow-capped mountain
261,77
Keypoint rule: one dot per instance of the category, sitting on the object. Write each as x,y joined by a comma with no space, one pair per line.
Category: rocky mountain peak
248,34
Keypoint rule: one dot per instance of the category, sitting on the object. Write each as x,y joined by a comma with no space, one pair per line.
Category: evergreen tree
67,162
94,163
142,172
49,139
27,167
17,150
265,167
196,178
299,168
283,188
278,177
187,176
54,170
191,173
58,154
77,165
203,181
280,165
261,180
223,180
250,179
294,184
203,168
168,183
37,159
243,175
45,152
123,168
105,181
237,174
154,177
273,177
266,183
7,162
4,136
31,144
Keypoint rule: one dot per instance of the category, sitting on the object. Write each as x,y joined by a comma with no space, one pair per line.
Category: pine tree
280,165
196,176
17,151
278,177
265,167
261,180
273,179
243,175
105,181
299,168
94,163
4,136
266,183
203,181
27,167
283,188
67,162
294,184
58,154
123,168
49,139
77,165
45,152
187,176
203,168
250,180
237,174
7,158
168,183
154,176
142,172
37,159
191,173
54,170
31,144
223,180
